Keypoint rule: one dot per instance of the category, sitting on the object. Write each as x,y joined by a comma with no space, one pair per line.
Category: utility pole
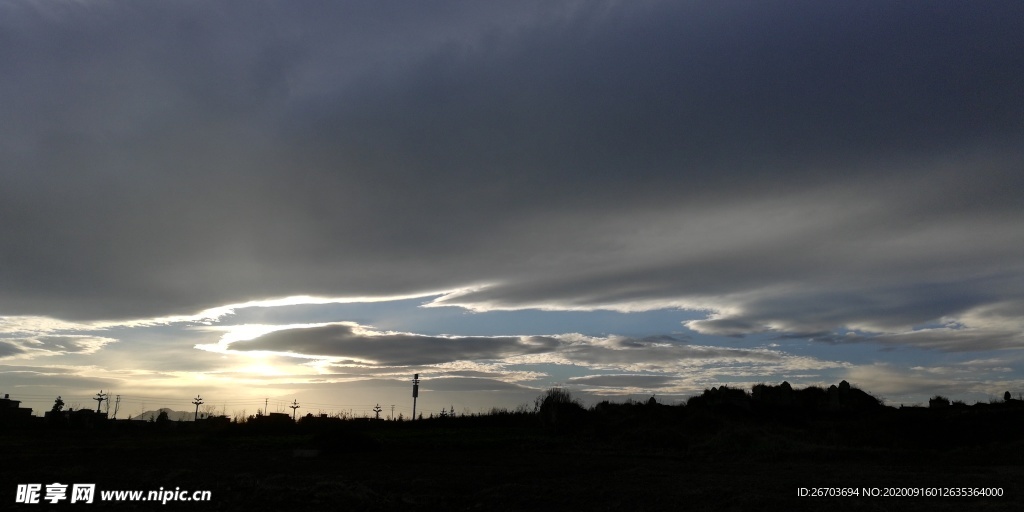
100,397
117,404
415,393
198,401
294,406
377,410
392,412
266,405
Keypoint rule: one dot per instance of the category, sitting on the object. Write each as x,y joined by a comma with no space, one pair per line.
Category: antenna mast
415,393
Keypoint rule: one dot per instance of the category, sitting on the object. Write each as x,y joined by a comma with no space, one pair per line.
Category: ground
700,462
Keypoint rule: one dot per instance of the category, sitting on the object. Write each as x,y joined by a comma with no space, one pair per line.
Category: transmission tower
100,397
198,401
295,407
377,410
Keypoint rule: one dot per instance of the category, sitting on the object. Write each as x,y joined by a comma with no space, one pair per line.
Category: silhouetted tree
1007,396
558,408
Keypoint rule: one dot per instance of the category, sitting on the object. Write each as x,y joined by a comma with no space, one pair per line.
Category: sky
277,202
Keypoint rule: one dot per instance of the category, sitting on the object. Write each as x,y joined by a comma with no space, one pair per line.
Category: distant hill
171,415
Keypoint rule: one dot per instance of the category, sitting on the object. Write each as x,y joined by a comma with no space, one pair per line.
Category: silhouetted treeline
776,415
764,442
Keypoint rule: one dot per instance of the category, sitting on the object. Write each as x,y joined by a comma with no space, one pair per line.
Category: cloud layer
350,350
350,342
843,167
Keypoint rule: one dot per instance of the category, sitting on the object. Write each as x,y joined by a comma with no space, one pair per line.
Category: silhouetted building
276,417
12,413
82,418
275,421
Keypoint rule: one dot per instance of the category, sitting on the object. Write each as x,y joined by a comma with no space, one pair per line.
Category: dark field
626,457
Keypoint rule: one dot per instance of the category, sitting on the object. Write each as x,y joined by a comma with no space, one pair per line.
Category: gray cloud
58,382
358,346
351,351
51,345
947,339
70,344
626,353
473,385
9,349
973,319
39,370
625,381
843,166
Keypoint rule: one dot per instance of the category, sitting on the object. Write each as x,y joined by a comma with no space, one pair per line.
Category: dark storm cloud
349,342
789,168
